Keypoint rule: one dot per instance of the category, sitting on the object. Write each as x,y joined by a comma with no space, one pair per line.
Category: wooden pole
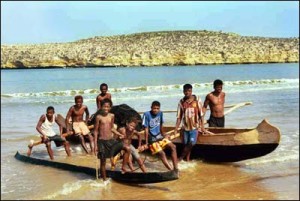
35,143
226,106
236,107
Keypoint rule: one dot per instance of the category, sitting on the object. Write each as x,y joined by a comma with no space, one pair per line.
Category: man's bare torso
216,104
105,126
77,113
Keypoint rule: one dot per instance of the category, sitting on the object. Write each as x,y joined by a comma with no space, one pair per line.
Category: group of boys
108,141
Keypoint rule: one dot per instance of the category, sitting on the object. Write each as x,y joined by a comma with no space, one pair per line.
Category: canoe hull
135,177
218,153
223,153
232,144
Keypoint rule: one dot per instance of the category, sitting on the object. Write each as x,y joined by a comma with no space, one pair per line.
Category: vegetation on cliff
154,49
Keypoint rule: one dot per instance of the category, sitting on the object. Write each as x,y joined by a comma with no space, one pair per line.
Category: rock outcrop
166,48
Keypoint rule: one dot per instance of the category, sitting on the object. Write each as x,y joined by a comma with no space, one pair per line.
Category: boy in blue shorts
190,112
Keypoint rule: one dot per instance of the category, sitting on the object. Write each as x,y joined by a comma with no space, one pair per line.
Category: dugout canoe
128,177
233,144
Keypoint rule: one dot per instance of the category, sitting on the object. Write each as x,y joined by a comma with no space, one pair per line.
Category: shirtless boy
105,144
128,133
104,94
45,128
216,100
80,128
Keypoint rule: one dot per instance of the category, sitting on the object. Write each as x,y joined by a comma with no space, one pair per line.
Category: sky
34,22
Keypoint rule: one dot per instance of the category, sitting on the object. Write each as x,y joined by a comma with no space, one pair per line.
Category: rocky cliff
153,49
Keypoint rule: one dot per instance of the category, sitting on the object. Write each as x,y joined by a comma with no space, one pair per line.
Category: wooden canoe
128,177
232,144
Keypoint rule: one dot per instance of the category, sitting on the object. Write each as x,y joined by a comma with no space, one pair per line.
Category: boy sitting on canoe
45,128
80,127
128,133
153,124
105,145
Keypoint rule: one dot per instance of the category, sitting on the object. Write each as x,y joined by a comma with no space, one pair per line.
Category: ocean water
273,90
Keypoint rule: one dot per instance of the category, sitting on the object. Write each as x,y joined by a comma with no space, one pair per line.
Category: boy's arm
121,132
146,135
98,103
39,129
202,125
179,117
139,139
87,114
138,134
96,133
206,102
113,130
60,126
68,117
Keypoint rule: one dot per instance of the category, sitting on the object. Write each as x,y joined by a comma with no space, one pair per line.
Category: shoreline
115,66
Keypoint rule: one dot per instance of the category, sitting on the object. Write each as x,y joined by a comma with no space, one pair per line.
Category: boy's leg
85,131
91,139
192,140
186,148
102,168
31,145
130,165
135,155
172,147
82,142
101,155
141,164
189,154
126,157
163,157
67,148
50,152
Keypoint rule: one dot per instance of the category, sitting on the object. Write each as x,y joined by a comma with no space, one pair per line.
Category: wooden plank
226,106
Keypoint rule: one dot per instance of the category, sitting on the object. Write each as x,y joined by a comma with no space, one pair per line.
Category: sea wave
290,157
230,87
69,188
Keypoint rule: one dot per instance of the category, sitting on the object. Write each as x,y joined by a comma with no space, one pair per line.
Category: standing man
104,94
190,111
80,128
215,100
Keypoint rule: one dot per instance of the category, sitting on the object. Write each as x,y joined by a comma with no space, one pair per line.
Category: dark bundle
122,113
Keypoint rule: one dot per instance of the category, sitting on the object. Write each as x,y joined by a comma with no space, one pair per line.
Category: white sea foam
183,165
69,188
290,157
231,86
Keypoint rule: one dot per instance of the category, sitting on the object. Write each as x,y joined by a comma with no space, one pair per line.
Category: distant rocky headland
165,48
